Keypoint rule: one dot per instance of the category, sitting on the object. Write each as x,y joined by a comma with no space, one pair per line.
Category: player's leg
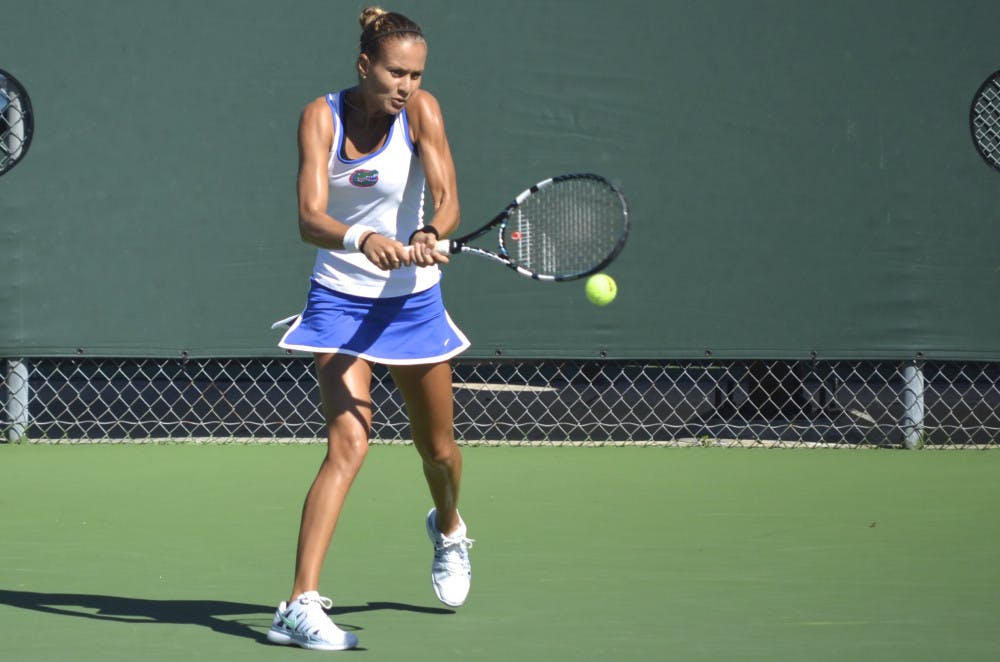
427,390
345,387
345,390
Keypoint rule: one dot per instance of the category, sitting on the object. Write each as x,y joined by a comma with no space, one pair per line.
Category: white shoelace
311,608
325,603
452,553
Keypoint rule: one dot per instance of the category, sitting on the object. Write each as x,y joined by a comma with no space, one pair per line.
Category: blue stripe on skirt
402,330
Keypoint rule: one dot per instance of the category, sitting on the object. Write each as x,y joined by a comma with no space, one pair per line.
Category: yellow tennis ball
601,289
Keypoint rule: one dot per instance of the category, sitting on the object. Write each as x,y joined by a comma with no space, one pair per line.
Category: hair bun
371,14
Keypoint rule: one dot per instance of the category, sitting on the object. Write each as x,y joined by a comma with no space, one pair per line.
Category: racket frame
27,122
985,128
499,222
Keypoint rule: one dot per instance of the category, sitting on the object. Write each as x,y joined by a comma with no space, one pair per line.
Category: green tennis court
179,552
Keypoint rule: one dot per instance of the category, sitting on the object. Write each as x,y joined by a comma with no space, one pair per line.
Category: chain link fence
709,403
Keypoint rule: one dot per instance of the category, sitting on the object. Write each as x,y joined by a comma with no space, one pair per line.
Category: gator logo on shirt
364,178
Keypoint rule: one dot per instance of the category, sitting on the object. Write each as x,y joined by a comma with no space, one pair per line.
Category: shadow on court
206,613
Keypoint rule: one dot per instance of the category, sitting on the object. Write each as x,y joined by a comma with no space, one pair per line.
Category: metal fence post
18,396
913,405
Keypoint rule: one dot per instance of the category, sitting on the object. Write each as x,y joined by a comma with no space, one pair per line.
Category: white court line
515,388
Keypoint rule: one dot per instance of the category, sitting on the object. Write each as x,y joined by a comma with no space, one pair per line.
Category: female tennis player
366,154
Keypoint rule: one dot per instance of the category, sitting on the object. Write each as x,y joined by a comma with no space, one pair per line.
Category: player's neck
358,113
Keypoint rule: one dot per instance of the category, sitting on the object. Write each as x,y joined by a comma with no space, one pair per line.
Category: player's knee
348,447
443,452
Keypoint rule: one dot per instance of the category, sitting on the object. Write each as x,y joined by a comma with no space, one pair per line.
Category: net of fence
724,403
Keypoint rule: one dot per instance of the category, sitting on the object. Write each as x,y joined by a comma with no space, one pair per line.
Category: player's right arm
315,140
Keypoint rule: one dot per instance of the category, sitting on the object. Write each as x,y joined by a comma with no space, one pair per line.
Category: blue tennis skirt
404,330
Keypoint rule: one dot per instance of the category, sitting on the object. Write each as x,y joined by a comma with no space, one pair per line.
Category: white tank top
383,190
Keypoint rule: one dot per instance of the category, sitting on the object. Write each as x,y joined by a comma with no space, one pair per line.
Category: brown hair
377,23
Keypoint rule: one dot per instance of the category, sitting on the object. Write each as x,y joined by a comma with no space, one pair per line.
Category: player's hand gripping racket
16,122
562,228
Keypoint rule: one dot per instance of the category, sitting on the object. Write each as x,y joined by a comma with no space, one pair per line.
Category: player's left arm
427,124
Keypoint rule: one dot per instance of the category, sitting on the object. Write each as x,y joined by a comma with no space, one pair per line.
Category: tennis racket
16,122
984,120
562,228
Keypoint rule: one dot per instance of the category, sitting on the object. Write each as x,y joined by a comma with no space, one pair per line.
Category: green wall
801,174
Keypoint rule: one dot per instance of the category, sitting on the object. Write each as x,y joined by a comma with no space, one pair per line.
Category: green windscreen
801,175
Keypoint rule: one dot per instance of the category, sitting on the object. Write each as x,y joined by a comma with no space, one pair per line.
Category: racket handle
442,246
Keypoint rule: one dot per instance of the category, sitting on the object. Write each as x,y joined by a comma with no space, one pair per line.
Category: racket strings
986,120
568,227
13,132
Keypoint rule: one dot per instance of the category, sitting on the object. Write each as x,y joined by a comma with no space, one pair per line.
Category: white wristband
353,234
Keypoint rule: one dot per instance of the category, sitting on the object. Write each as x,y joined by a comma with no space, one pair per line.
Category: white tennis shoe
451,572
305,624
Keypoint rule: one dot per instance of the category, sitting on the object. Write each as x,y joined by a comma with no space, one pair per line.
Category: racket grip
442,246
